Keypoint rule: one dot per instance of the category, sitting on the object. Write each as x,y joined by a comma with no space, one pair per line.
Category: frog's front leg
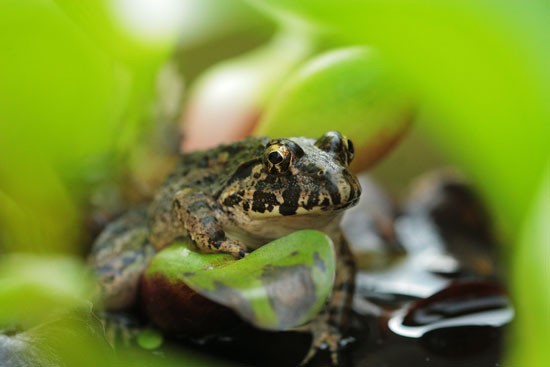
327,328
199,214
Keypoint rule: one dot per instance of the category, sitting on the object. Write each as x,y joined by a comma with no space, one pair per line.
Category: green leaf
74,94
278,286
347,90
531,284
32,287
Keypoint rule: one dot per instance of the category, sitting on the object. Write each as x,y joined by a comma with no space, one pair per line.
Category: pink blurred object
228,101
222,110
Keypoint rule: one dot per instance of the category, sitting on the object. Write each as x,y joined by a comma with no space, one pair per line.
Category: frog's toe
233,247
326,342
326,338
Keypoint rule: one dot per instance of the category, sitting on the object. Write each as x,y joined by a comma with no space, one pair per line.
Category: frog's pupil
275,157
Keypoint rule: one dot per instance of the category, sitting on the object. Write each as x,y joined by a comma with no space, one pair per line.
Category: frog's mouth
289,212
332,196
326,202
326,207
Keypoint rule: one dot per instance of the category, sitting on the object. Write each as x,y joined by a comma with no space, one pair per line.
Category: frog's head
295,177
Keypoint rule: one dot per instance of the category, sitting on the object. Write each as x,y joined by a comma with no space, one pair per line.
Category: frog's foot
233,247
325,337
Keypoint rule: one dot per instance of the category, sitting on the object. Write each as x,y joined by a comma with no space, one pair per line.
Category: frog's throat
259,231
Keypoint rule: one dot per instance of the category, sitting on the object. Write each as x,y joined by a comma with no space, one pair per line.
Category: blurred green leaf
32,288
346,90
58,108
67,339
531,283
77,339
482,68
73,95
278,286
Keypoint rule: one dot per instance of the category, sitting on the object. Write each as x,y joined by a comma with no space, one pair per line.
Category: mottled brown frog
233,199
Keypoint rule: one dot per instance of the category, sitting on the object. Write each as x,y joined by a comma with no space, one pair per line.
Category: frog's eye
338,145
279,155
350,149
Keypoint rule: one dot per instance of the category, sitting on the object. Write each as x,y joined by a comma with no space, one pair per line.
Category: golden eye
277,157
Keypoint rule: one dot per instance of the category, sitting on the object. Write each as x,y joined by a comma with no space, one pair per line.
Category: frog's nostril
320,172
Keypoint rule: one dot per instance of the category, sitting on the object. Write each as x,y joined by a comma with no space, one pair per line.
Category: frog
233,199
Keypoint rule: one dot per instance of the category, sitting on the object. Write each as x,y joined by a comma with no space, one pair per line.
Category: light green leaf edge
205,272
32,288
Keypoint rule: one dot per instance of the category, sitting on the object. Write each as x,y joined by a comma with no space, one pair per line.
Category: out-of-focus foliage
31,287
254,286
345,89
75,87
482,67
531,282
77,339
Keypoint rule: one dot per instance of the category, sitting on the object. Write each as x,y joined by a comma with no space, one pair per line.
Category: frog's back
207,171
210,170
